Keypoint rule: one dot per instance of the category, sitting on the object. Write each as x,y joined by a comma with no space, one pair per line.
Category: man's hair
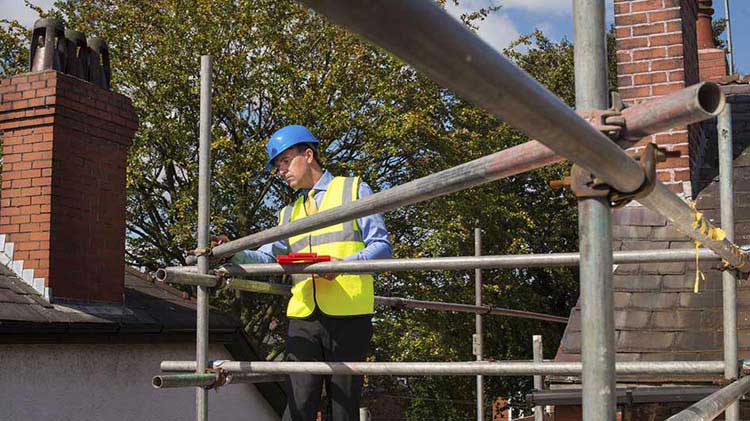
301,147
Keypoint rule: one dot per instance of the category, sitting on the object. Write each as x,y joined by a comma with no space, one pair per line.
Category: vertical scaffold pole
478,340
364,414
729,282
204,198
536,345
730,47
594,227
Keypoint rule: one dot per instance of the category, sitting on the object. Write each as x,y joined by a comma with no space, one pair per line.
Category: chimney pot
705,32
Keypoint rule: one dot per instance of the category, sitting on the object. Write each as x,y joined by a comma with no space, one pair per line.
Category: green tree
276,63
718,26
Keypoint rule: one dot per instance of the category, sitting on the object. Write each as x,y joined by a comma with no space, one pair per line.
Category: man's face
294,167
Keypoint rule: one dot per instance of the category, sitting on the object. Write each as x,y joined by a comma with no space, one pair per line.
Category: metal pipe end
710,98
157,382
161,275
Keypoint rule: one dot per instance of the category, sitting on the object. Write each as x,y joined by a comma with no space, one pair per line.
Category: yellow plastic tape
698,273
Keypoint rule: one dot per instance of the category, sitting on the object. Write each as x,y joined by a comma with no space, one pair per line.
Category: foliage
718,26
277,63
14,53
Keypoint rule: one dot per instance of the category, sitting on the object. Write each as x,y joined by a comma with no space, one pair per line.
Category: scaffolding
425,36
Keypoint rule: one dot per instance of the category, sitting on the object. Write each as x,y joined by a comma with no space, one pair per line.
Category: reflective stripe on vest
347,294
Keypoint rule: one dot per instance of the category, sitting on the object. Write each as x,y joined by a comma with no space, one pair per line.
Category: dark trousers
324,338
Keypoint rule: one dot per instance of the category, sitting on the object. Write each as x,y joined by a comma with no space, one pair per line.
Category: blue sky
554,18
517,17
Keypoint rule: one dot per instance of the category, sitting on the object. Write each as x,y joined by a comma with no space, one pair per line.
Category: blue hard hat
285,138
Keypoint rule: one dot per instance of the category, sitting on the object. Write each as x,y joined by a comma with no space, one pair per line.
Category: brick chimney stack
62,206
657,55
712,61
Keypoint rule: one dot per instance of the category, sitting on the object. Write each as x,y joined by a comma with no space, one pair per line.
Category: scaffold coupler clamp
221,274
202,251
585,185
610,121
743,368
221,378
647,159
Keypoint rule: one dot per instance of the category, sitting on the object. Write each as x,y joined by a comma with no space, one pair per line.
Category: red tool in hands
293,258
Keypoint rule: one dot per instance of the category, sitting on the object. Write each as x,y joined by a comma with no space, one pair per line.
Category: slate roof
150,311
658,317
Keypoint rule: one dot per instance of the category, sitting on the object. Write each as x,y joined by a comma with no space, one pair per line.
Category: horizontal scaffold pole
690,105
286,290
210,379
473,368
693,104
426,37
713,405
184,274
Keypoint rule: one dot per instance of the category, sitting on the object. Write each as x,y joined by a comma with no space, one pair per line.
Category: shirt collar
323,182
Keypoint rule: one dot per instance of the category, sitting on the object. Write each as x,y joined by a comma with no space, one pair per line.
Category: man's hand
330,276
218,239
215,241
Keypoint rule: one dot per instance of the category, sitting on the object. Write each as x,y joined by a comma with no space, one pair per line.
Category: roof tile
652,300
692,340
631,319
672,268
700,300
676,320
637,216
636,282
644,340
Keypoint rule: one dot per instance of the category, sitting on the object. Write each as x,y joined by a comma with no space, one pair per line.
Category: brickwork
713,64
712,61
65,145
657,55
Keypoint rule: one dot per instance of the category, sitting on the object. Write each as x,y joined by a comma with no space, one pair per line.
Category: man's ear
309,156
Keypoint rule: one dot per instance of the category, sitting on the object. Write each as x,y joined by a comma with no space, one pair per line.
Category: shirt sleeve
374,233
265,254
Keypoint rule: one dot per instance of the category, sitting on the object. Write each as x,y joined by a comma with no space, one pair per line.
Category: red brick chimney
62,209
712,61
657,55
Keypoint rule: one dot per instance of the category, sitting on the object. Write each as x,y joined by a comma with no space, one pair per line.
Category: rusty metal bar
285,290
693,104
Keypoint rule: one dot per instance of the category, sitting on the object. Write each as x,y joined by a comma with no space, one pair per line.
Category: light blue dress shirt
374,233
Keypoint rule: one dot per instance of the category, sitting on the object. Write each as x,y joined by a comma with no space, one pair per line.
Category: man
330,315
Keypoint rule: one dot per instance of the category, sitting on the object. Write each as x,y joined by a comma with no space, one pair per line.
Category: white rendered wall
111,382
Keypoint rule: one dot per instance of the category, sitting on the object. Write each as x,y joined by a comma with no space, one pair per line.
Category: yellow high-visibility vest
347,294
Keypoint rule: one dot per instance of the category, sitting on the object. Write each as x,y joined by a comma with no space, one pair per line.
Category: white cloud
497,30
16,9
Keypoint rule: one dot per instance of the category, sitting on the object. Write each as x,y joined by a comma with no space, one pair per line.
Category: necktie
310,206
